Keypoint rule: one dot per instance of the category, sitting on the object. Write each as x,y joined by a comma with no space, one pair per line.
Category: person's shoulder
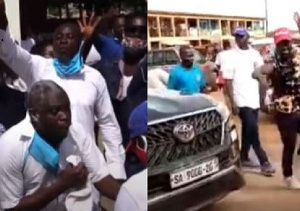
137,192
93,75
13,140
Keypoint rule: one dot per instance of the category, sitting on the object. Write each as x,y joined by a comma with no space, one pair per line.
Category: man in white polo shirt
243,92
35,157
85,86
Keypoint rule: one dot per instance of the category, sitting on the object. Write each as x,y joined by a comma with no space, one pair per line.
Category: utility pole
266,16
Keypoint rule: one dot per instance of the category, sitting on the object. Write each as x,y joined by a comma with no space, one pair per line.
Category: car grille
164,148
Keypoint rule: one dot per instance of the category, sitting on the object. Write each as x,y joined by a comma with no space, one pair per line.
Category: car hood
169,104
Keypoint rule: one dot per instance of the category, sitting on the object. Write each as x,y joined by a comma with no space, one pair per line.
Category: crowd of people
58,106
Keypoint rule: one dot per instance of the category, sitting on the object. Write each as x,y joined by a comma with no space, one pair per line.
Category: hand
297,18
73,177
87,28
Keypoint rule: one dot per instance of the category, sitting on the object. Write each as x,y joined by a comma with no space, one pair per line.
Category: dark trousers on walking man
250,138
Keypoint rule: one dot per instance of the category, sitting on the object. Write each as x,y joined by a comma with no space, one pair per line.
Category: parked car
193,151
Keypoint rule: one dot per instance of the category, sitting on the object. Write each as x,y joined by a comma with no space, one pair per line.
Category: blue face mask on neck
73,67
44,153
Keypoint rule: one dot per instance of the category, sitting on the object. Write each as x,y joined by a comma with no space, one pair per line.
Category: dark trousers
250,136
288,125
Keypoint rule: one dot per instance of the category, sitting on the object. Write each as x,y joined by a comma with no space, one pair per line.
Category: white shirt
87,92
158,79
224,59
93,56
133,194
21,177
245,87
27,44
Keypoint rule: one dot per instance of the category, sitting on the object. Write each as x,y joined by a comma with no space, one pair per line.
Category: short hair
184,48
39,91
74,27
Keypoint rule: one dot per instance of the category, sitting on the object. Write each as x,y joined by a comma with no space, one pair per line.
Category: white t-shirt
158,79
87,92
21,176
245,87
133,193
224,59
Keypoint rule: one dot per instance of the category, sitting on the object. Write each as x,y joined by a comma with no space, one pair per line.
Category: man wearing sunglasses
243,92
133,193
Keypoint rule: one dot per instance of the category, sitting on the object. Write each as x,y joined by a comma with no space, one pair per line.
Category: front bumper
200,194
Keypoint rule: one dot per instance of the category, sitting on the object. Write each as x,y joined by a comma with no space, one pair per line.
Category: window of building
180,27
153,26
166,27
214,24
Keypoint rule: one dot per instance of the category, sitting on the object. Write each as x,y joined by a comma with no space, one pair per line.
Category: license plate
191,174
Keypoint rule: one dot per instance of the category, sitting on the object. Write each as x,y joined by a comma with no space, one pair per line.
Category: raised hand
87,27
297,19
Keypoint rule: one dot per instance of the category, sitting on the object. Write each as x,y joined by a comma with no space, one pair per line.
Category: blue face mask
43,153
71,68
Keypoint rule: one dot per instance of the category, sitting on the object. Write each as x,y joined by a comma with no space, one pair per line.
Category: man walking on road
243,92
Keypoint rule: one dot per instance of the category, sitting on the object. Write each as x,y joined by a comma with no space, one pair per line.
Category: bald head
50,111
38,94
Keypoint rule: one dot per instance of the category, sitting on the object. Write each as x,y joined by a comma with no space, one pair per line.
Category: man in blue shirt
187,77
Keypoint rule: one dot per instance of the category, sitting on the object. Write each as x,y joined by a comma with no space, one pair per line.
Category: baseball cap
282,34
137,123
239,31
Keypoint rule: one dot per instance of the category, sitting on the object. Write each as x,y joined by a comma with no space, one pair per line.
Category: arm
88,32
202,82
228,74
110,130
15,57
172,80
96,165
109,187
229,91
41,198
297,20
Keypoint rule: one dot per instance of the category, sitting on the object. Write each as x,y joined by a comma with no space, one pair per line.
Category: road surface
263,193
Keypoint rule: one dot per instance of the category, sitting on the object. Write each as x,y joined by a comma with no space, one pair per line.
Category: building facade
173,23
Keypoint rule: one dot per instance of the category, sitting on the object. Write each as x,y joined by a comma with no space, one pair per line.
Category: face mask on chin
134,50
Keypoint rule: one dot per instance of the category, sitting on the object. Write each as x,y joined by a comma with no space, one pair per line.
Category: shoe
292,183
267,169
249,164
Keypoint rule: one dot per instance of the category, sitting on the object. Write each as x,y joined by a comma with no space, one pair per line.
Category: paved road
262,193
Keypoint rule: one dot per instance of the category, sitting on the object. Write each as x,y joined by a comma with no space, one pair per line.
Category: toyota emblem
184,132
